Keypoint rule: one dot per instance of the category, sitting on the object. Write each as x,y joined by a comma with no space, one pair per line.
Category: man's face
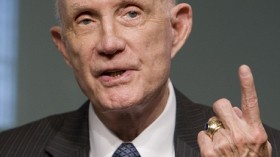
120,50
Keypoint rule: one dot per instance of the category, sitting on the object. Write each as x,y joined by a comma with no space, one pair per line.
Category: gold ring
212,126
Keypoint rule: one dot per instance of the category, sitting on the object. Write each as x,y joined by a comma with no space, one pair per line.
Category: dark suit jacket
68,134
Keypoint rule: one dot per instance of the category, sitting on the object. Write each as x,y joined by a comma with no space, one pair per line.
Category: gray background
225,34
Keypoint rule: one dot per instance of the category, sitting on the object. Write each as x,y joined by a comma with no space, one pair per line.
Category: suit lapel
73,137
190,119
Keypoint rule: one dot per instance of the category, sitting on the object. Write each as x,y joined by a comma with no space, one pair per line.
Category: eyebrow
79,7
129,1
132,1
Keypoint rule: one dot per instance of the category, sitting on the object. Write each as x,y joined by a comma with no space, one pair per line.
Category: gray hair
57,10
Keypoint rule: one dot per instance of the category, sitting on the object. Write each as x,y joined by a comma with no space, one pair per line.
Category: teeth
115,73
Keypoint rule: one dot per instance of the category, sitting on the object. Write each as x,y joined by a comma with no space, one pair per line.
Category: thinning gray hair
57,10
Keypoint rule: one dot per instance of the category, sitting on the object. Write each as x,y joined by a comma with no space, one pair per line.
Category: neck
128,123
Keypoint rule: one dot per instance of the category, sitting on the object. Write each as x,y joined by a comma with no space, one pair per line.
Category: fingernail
244,71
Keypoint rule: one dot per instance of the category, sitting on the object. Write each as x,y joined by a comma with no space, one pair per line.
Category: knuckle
200,135
222,147
255,138
222,103
208,153
259,137
239,140
251,101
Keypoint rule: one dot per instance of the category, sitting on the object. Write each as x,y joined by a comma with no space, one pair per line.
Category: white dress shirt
155,140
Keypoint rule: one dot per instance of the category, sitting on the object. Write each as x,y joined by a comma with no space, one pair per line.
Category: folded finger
205,144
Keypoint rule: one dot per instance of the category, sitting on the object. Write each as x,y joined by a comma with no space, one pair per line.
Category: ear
58,40
181,24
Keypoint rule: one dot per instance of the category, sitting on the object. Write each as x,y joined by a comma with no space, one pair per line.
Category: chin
118,103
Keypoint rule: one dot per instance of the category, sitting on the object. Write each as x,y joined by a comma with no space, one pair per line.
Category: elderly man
120,52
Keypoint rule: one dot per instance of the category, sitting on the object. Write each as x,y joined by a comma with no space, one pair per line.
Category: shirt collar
155,140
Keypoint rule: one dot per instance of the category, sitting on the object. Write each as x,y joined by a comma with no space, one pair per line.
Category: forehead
64,6
69,8
69,4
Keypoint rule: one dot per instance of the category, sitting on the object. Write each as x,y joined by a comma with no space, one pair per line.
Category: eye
86,21
132,14
84,18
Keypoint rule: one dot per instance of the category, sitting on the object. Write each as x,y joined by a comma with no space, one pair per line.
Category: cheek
80,53
81,57
153,49
158,48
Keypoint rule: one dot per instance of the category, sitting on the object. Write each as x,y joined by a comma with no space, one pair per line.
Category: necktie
126,150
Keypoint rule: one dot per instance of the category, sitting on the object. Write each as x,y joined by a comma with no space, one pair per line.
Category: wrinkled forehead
64,7
64,4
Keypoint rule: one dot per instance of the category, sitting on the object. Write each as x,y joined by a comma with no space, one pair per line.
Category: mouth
112,78
115,73
116,76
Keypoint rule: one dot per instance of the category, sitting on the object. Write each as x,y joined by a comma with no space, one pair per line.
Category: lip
110,81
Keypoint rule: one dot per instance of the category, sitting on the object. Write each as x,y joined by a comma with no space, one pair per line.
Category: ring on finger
212,126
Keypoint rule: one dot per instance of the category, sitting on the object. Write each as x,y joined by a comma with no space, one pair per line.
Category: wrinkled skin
120,52
243,134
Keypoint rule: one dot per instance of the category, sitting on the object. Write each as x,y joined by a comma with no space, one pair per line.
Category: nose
111,41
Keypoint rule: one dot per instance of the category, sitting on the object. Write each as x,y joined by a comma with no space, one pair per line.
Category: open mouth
113,73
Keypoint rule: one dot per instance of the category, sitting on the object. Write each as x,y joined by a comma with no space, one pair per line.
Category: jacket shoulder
31,137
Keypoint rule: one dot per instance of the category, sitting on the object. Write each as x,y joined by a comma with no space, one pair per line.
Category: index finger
249,99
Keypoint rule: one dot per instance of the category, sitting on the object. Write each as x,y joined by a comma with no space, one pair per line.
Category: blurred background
35,82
